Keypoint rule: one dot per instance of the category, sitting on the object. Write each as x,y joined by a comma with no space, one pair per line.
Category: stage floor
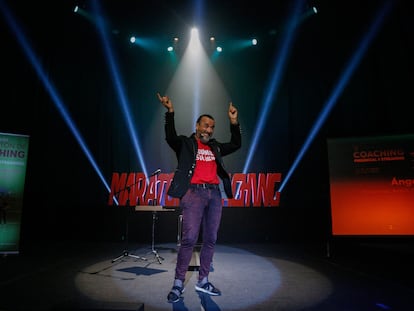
83,276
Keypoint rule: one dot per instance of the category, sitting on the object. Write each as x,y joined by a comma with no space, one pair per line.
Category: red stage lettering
238,186
164,185
140,186
256,192
271,197
250,190
117,186
150,194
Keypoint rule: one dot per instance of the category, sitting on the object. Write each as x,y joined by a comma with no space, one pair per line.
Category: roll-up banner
372,185
13,161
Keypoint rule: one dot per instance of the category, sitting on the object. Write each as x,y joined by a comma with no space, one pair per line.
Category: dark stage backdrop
65,196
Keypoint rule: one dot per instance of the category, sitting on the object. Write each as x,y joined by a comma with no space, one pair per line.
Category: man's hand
166,102
232,114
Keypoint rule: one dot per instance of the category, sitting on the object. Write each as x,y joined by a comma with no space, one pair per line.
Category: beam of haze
274,82
118,84
337,91
33,59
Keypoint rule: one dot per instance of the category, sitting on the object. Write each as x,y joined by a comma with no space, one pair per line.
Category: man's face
205,129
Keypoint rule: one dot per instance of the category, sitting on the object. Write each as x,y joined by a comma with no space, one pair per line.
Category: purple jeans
200,208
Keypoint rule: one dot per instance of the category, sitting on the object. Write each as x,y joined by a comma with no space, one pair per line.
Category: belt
205,186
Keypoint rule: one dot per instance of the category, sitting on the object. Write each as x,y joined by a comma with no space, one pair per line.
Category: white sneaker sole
200,289
179,297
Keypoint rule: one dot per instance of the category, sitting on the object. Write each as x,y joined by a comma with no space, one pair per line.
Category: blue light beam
274,82
353,63
33,59
118,84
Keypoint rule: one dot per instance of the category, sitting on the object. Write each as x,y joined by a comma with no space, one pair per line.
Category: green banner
13,161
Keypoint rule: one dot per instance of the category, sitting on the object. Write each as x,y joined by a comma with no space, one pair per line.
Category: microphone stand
154,217
126,252
153,250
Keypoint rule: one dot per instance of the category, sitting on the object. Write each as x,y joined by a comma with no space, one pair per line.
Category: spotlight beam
84,13
34,61
119,87
274,82
345,77
195,47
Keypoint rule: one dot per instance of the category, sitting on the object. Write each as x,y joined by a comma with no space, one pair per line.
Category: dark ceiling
174,18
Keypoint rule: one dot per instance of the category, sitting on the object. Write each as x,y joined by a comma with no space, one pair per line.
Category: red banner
372,185
250,190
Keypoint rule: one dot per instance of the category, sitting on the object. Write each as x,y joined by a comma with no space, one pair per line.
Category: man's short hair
204,115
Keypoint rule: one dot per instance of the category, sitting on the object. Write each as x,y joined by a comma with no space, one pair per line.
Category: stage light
337,91
275,81
196,87
194,38
308,13
82,12
254,41
195,44
175,46
146,43
44,77
119,87
219,49
175,42
212,43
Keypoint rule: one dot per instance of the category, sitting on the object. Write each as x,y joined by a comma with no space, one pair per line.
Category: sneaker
208,288
175,294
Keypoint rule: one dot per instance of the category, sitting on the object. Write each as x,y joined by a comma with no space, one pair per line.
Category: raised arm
166,102
233,114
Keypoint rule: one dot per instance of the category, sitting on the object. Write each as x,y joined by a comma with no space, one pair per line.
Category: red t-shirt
206,167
